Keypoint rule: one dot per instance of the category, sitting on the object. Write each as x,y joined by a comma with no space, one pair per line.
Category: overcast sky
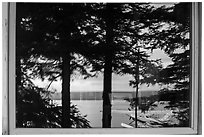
119,83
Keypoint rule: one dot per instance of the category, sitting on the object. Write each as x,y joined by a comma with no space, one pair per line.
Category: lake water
93,110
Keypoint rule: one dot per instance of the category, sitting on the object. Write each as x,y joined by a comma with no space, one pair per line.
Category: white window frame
8,95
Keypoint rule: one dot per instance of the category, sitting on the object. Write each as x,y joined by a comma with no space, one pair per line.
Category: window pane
112,65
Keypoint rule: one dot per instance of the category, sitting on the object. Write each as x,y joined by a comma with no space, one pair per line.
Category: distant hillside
98,95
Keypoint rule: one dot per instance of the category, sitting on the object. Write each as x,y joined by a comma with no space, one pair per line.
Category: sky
119,83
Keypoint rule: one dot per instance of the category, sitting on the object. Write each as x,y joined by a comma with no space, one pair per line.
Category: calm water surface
93,110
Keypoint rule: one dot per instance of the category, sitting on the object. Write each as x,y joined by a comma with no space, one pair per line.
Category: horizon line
113,91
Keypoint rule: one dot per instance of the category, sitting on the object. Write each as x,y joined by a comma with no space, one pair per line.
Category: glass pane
102,65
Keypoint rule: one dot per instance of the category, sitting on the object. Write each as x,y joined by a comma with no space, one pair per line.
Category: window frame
8,95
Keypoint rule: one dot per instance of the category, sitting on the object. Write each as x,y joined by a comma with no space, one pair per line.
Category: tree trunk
137,86
136,104
66,122
107,83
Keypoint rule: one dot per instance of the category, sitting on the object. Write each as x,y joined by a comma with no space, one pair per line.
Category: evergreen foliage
63,41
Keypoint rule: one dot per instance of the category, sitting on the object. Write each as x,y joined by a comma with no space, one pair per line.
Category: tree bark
107,83
66,122
137,86
107,89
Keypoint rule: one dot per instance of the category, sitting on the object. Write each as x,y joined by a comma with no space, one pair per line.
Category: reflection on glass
102,65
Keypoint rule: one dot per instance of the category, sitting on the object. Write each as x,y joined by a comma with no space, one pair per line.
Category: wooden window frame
8,94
